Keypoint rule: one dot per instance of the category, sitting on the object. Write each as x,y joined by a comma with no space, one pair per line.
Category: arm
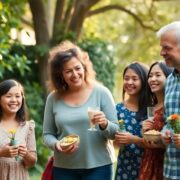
109,124
166,136
176,139
30,159
147,125
137,140
128,138
49,126
152,145
9,151
100,118
68,150
28,151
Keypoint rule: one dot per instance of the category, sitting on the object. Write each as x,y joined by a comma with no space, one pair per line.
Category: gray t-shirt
61,119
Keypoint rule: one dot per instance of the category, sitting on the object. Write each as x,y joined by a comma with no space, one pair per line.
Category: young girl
152,162
14,159
133,111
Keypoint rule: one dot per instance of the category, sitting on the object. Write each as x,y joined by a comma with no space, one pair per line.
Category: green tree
55,20
69,16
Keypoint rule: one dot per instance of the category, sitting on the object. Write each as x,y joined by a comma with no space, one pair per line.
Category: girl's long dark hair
152,100
5,86
142,71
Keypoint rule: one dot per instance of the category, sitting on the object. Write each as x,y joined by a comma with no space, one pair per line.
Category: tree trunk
58,16
81,9
42,36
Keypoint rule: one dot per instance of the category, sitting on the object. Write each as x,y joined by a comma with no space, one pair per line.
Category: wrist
104,126
132,139
26,155
57,147
1,153
137,140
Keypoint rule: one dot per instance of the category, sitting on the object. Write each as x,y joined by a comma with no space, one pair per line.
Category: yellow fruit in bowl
69,140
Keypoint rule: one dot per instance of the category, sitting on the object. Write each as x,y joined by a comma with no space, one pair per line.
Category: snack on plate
152,135
68,141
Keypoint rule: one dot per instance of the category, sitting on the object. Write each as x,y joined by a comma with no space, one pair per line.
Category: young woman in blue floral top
133,111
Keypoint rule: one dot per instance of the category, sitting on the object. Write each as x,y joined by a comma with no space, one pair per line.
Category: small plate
69,140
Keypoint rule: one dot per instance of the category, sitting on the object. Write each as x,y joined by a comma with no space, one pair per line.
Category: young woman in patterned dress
133,111
152,162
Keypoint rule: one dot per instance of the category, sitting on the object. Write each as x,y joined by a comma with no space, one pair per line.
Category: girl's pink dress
10,168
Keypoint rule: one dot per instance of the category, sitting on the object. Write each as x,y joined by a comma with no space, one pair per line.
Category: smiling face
170,49
73,73
131,82
156,79
11,102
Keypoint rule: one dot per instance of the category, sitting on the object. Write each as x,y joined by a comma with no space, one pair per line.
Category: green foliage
10,13
14,63
39,51
121,125
101,55
62,35
132,42
173,123
35,102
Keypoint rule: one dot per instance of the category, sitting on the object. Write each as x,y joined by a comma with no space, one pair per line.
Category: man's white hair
174,26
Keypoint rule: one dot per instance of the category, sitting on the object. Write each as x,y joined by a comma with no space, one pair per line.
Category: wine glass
150,112
91,112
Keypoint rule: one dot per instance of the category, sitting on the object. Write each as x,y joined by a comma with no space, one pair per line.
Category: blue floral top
130,156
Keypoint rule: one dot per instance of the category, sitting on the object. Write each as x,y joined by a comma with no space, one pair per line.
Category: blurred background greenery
113,32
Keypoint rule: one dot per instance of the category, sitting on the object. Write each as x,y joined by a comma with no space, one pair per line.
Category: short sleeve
31,140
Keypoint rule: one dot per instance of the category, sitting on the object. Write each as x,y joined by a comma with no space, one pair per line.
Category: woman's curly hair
60,55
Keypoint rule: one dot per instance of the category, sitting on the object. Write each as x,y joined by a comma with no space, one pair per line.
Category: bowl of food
69,140
152,135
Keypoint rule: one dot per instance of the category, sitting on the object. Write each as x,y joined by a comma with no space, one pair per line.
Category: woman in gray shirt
74,89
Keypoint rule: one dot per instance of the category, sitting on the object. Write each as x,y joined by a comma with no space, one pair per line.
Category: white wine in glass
91,112
150,112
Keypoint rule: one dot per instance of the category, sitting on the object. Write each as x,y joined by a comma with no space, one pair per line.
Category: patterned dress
10,168
152,161
129,157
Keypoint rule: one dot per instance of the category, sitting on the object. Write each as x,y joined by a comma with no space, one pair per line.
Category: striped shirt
172,106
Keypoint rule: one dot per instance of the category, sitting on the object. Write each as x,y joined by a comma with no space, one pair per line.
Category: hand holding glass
91,112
